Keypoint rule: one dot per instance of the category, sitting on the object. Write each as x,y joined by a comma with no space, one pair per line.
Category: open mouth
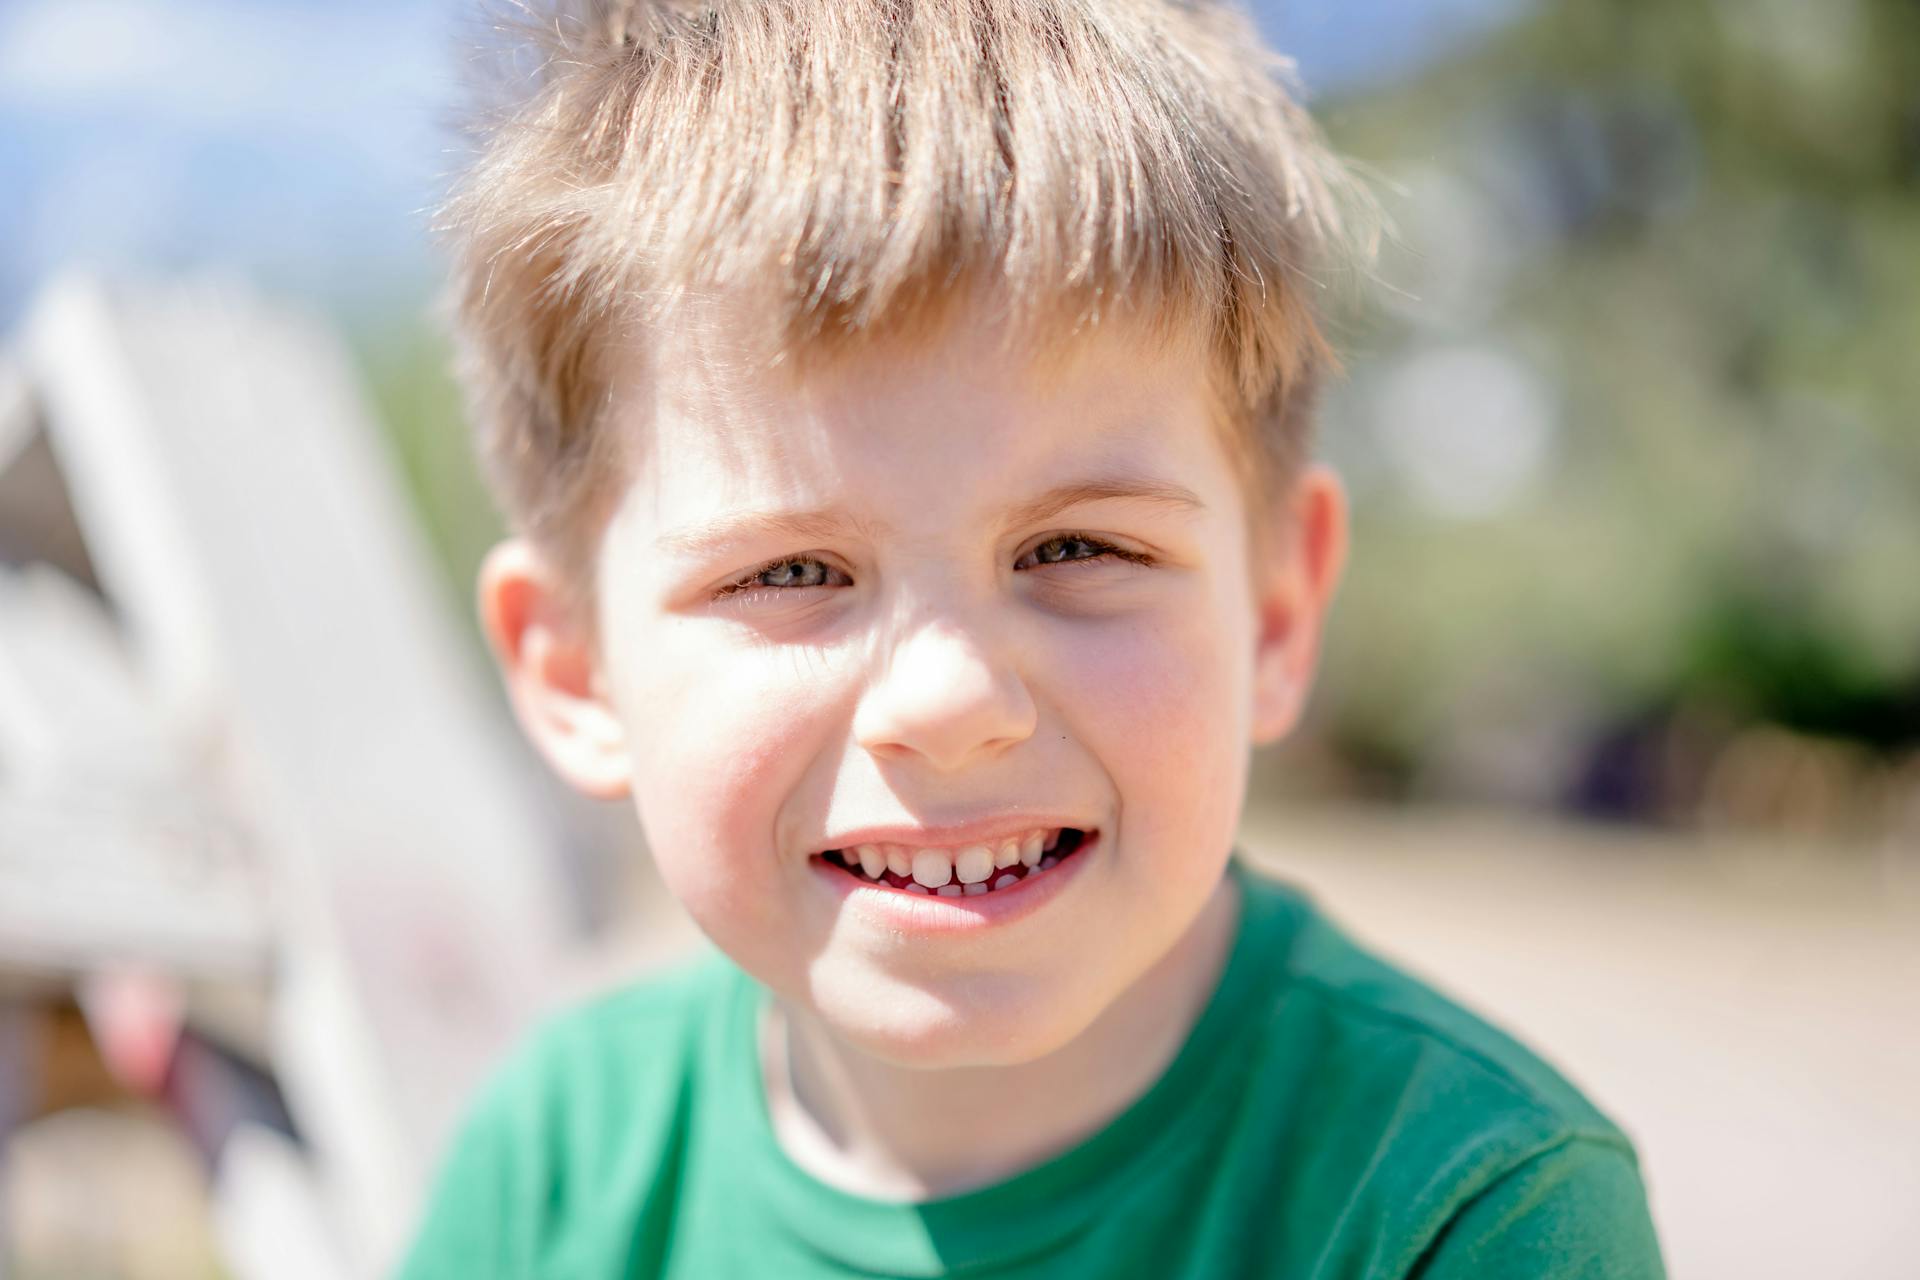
969,871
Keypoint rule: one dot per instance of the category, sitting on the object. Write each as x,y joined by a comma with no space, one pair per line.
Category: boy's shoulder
584,1122
1414,1120
607,1054
1376,1011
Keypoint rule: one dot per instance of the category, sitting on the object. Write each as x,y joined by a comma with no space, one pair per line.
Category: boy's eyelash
1104,548
747,583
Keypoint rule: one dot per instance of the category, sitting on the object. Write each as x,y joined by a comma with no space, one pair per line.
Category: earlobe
550,671
1306,552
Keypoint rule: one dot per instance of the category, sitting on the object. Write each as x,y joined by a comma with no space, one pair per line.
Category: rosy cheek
717,746
1157,695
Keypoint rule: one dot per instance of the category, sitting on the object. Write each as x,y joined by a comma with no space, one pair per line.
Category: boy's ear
1305,548
551,674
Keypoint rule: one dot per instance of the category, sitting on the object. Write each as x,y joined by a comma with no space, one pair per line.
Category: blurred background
1618,729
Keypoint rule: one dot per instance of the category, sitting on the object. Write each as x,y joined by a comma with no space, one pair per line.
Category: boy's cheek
710,815
1158,694
715,752
1159,708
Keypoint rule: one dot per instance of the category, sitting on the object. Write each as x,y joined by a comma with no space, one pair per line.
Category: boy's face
935,600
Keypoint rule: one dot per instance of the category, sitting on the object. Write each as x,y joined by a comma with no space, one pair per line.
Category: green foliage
1697,224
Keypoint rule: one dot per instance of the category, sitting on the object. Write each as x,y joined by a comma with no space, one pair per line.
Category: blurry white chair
278,669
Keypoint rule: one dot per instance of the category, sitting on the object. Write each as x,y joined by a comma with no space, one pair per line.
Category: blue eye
793,572
1070,547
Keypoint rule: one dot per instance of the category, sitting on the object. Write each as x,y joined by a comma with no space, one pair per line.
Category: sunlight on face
923,591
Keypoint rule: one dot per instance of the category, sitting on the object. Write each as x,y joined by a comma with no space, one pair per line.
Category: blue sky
300,141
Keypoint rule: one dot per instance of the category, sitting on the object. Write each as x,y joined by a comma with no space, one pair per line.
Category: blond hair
857,162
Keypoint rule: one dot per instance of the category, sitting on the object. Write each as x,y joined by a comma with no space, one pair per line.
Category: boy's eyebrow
803,526
821,524
1101,489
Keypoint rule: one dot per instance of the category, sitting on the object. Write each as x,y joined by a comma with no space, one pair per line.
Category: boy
902,408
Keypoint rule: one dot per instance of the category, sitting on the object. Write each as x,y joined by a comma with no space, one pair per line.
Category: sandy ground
1750,1014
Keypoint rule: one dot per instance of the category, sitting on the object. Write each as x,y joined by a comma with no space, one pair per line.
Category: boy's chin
1003,1025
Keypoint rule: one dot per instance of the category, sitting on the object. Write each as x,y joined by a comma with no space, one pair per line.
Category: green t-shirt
1328,1116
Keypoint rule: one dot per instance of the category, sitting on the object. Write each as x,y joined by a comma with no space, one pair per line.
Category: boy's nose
946,696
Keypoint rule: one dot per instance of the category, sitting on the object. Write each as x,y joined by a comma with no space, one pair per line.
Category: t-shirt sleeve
469,1229
1577,1211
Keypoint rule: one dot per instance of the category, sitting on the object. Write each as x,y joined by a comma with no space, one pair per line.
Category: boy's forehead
963,399
963,421
718,364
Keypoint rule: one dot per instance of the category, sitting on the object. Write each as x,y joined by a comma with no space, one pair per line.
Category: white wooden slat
244,521
107,854
17,420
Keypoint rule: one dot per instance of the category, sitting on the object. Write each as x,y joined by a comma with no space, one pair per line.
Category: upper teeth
970,864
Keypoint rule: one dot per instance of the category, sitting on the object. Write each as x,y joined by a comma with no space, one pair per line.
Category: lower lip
929,913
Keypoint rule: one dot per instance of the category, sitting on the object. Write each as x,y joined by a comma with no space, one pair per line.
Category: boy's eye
1076,546
795,571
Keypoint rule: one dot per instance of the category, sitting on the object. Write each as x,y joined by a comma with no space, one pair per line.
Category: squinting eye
1074,546
800,571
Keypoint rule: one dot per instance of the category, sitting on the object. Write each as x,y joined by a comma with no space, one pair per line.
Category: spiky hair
859,164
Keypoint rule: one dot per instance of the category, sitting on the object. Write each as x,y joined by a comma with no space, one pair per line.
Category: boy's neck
894,1133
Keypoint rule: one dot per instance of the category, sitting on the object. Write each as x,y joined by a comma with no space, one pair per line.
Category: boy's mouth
964,871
